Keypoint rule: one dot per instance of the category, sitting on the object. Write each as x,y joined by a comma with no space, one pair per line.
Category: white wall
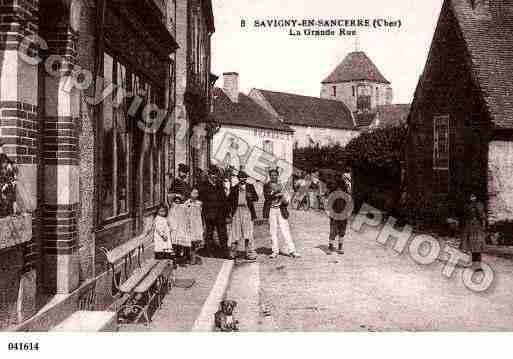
500,186
325,136
282,146
282,141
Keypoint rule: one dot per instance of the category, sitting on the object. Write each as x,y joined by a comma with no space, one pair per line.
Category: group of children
178,230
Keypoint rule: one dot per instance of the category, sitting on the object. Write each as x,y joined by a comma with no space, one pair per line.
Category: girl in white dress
162,235
195,226
179,222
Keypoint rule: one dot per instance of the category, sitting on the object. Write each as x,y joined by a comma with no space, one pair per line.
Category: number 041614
23,346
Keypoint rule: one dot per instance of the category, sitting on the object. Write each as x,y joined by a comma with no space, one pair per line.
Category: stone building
244,128
358,83
315,121
195,26
461,122
86,89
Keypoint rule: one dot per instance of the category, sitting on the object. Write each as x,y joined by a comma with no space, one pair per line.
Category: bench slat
118,253
148,281
137,276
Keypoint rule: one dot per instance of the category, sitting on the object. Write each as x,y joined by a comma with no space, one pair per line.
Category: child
195,226
178,219
338,224
162,235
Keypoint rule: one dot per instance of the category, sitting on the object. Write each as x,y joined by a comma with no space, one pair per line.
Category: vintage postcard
255,166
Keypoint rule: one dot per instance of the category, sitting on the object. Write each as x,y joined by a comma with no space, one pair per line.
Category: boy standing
338,220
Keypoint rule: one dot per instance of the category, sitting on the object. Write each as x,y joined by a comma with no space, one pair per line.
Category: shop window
108,161
123,144
116,143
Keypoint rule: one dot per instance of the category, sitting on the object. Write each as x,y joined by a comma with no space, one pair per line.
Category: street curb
205,321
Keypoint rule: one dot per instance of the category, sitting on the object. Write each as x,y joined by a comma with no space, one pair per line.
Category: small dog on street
224,320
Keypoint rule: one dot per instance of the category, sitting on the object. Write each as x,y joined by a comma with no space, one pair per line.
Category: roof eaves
470,63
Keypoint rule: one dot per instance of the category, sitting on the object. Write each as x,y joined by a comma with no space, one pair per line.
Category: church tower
358,83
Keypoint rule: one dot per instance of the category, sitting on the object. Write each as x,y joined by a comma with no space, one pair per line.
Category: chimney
231,85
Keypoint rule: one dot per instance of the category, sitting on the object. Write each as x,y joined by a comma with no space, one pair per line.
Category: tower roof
356,66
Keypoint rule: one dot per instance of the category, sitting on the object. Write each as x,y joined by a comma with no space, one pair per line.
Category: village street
369,288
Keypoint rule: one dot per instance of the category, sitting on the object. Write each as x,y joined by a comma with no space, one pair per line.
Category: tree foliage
383,147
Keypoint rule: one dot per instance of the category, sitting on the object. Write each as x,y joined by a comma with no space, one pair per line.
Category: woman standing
474,232
243,197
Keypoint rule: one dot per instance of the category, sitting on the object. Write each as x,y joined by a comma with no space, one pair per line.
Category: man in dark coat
180,185
216,211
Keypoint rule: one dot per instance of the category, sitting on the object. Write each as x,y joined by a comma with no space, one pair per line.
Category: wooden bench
140,284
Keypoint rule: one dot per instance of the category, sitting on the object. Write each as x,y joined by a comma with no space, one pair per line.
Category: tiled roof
310,111
245,113
488,35
392,115
356,67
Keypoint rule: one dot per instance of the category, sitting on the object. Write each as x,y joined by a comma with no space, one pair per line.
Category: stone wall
381,94
500,186
86,142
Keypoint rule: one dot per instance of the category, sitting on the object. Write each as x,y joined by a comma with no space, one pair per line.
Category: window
153,175
268,146
115,164
354,91
441,153
377,95
334,91
363,102
122,144
196,42
171,13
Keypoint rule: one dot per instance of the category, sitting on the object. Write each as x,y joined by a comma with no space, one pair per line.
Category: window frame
270,145
132,78
441,152
115,129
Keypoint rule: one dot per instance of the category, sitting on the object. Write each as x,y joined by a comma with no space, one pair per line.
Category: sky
269,58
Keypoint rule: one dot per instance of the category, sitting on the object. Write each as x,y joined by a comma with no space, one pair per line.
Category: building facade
246,129
82,84
315,121
195,26
461,120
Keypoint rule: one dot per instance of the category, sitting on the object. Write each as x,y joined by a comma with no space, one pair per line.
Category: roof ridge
299,95
356,66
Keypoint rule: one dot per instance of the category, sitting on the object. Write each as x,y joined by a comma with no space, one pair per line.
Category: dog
224,320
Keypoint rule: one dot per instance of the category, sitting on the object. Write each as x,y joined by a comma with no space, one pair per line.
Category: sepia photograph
242,166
